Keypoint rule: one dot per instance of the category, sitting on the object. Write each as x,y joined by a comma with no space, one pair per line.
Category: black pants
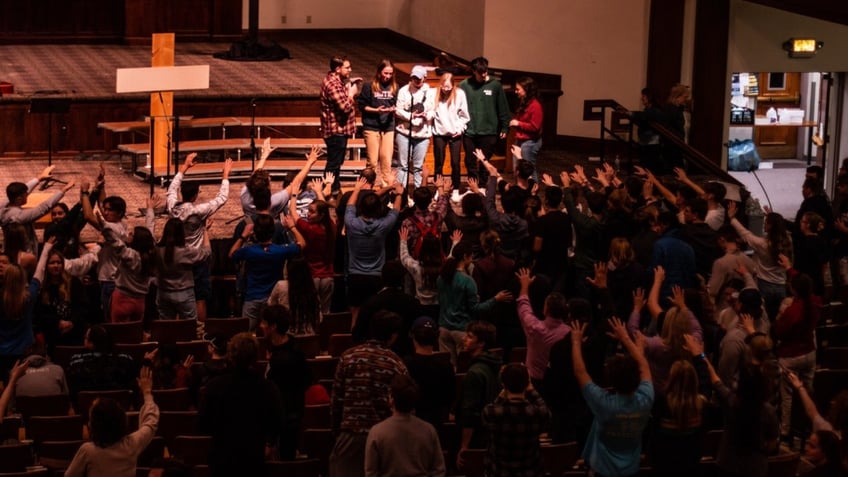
336,150
487,145
453,144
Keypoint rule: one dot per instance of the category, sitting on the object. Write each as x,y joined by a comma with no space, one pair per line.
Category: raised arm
289,222
17,371
580,372
267,149
635,348
87,208
311,158
245,234
809,406
654,307
684,178
42,260
171,197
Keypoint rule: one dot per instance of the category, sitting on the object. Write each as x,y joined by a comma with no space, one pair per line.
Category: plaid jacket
338,110
514,428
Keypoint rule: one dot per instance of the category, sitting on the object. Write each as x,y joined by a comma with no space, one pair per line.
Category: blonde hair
15,293
676,324
449,97
620,251
681,394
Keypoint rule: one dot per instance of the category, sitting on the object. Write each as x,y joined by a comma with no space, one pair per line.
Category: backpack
434,230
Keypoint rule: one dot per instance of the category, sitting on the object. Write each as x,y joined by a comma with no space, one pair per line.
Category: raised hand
228,166
473,185
677,298
692,344
601,177
403,234
548,180
288,221
456,236
313,154
638,299
479,155
267,148
189,161
659,274
45,173
564,178
577,331
360,183
746,322
516,151
731,209
525,278
145,380
619,331
600,278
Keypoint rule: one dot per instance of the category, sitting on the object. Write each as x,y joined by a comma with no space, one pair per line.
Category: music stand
49,106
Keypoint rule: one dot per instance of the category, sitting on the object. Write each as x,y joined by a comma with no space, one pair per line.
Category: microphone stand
253,133
752,170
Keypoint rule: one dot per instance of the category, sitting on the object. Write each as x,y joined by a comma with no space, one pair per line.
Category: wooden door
777,90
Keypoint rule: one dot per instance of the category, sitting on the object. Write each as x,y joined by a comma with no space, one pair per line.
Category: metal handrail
595,110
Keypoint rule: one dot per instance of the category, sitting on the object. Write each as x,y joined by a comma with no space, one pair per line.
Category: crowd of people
649,311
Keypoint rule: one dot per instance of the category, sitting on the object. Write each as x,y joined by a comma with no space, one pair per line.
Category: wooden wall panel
25,134
710,78
665,45
189,19
52,20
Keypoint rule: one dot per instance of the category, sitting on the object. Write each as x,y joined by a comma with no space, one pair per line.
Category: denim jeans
529,152
773,294
171,303
419,151
325,287
805,367
451,341
253,311
106,289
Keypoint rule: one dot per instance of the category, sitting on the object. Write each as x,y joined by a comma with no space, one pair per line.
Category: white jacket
421,127
450,118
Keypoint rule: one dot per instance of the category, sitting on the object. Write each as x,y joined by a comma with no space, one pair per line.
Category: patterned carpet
88,71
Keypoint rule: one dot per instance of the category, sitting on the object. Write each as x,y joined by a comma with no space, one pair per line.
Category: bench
222,122
292,144
212,170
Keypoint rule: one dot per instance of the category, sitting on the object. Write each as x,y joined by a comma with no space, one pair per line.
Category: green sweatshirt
487,107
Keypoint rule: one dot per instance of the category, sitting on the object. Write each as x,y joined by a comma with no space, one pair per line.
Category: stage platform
85,74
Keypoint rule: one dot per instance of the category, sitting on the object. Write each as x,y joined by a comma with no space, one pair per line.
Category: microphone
49,182
253,102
